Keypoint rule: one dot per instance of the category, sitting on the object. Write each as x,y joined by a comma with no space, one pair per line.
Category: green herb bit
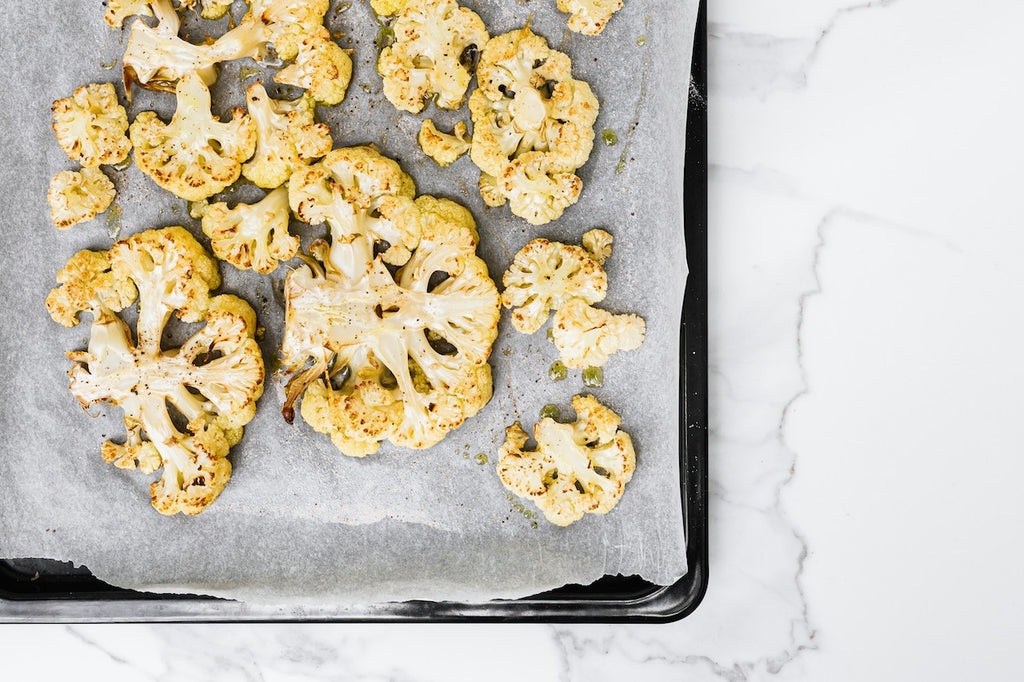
550,411
593,377
609,137
558,371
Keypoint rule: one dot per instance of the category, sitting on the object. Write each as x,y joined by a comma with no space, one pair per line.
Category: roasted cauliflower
528,102
436,43
288,21
119,10
585,336
589,17
75,197
195,155
322,68
287,137
90,126
598,244
252,237
387,8
209,9
212,381
444,149
575,469
546,275
389,327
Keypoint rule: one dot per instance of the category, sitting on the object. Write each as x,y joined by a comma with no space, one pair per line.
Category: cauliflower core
444,149
75,197
436,43
589,17
585,336
533,126
575,469
287,137
389,327
90,126
195,155
211,382
252,237
546,275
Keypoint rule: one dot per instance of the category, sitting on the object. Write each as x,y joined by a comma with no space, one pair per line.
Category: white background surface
866,231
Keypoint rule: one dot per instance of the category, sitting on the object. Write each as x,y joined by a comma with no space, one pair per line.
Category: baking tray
41,590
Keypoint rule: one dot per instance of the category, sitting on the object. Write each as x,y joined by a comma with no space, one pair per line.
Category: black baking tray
38,590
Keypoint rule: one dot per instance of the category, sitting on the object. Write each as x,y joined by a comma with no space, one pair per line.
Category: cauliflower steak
389,327
212,381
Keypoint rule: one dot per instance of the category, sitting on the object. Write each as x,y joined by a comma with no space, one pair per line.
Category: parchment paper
299,522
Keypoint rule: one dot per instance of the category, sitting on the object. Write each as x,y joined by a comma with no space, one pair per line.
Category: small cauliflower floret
322,68
598,244
489,191
75,197
209,9
287,137
536,192
252,237
444,149
119,10
589,17
90,126
402,353
528,104
288,21
575,469
156,58
544,276
436,42
195,155
213,380
585,336
387,8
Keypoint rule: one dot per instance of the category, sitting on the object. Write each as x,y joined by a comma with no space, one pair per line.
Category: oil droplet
114,221
609,137
247,72
480,459
641,41
123,164
108,65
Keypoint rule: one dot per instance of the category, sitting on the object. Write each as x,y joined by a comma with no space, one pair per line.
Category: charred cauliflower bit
90,126
213,380
209,9
575,469
585,336
444,149
287,137
195,155
546,275
75,197
322,68
436,43
589,17
252,237
529,105
389,327
119,10
598,244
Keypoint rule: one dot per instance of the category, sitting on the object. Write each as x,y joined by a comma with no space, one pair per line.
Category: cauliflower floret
75,197
195,155
544,276
252,237
575,469
288,21
213,380
90,126
387,8
536,192
119,10
444,149
322,68
489,191
585,336
287,137
210,9
407,348
598,244
589,16
528,103
436,42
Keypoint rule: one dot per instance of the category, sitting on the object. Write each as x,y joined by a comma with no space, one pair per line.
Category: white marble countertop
866,227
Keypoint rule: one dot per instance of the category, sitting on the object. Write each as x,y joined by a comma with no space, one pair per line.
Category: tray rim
659,604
